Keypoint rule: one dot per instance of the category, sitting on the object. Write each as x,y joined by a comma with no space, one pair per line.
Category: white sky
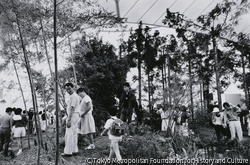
147,11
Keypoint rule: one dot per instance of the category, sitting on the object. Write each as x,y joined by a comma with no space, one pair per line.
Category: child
20,122
114,146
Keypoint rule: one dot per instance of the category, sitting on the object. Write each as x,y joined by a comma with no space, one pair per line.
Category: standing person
218,124
71,138
184,116
87,122
5,131
127,104
183,121
139,115
233,121
43,121
20,122
164,118
114,146
248,124
30,124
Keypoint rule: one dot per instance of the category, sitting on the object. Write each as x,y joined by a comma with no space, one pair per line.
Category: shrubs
143,147
202,119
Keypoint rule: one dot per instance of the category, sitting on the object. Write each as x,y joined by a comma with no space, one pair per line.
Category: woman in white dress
87,122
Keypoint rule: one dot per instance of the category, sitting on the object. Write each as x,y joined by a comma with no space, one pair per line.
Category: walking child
114,146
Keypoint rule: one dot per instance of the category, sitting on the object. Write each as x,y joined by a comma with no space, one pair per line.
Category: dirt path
32,138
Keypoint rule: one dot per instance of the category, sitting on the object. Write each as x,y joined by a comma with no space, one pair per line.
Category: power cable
147,10
245,28
188,7
131,8
165,11
204,9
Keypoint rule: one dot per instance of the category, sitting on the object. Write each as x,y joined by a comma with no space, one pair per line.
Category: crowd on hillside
230,122
78,120
16,123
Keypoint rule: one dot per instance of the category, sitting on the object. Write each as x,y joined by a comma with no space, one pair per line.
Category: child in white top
114,146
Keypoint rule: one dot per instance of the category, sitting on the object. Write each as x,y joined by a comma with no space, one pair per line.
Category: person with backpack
114,138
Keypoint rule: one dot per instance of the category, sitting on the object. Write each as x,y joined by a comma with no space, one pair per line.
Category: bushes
143,147
201,119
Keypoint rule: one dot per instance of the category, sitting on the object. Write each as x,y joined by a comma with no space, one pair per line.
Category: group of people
174,120
79,119
227,122
12,125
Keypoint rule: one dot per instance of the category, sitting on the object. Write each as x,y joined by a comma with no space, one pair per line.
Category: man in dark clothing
5,131
127,104
184,115
139,115
30,124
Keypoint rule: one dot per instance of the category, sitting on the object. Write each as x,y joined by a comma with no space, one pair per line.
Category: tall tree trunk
163,86
205,85
62,100
34,99
191,87
21,89
217,73
39,133
166,84
201,96
71,55
139,75
190,80
149,92
169,85
201,88
56,87
244,79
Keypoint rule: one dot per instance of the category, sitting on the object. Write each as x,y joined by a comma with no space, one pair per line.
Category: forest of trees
177,69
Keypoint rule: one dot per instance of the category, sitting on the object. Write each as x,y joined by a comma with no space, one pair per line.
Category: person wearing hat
217,122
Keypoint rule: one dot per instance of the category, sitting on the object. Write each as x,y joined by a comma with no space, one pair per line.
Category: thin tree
33,92
56,85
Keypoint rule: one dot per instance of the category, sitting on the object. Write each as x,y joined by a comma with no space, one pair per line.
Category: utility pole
117,7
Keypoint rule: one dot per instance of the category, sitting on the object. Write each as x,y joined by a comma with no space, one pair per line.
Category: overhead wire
204,9
188,7
155,25
165,11
131,8
147,10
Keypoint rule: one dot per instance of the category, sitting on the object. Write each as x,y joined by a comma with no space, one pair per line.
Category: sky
151,13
